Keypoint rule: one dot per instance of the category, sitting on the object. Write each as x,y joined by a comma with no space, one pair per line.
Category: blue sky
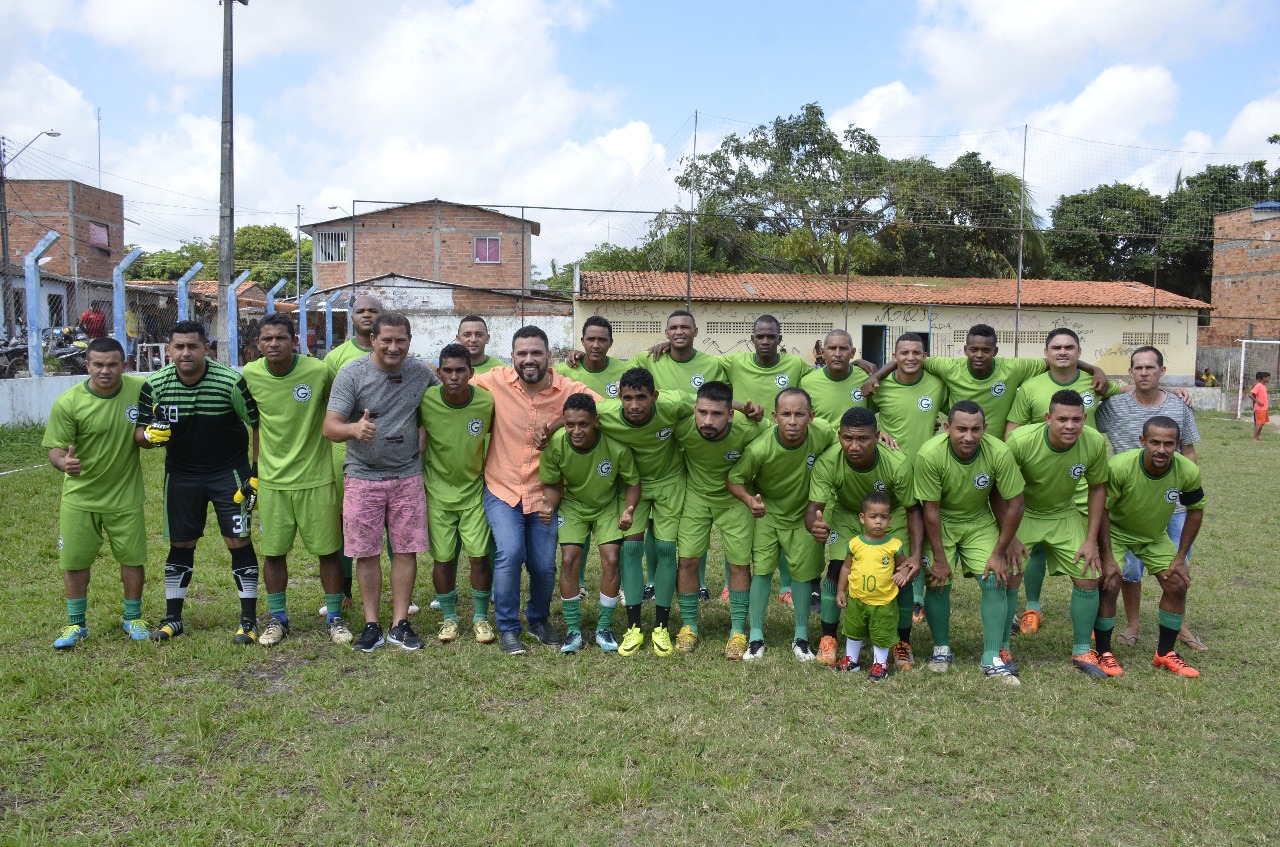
589,104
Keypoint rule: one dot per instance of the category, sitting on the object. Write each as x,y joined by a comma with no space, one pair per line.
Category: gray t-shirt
1121,418
392,398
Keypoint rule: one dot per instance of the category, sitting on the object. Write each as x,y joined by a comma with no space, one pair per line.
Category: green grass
196,742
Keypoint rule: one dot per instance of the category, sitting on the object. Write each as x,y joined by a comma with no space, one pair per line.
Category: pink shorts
369,506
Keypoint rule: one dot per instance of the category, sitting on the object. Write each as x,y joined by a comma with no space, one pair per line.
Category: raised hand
70,464
757,506
821,532
542,437
365,429
628,517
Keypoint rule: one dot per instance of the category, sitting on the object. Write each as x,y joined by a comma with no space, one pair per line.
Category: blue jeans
520,540
1133,567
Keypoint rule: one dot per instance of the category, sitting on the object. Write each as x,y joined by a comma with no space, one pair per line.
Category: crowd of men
842,479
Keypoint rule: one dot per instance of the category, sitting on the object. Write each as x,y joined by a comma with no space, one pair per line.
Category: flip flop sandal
1126,639
1195,643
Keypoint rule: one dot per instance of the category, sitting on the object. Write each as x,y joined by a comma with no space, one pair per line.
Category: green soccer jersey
457,437
1032,402
292,451
1053,476
489,363
657,455
707,462
994,393
755,383
835,481
963,489
207,419
591,480
672,375
781,474
833,397
909,413
1141,504
101,428
603,382
345,353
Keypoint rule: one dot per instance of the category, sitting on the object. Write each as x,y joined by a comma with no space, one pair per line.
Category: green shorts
969,545
728,513
660,502
1060,536
574,528
1156,553
804,555
80,536
880,622
466,525
845,525
313,513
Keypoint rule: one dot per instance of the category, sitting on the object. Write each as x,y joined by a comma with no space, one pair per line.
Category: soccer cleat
649,594
846,664
736,648
1107,661
785,597
1090,664
997,671
72,634
403,635
605,641
370,639
755,651
800,647
632,641
339,632
1030,622
1173,663
879,672
917,613
686,640
940,661
413,609
483,631
573,642
137,629
724,594
1007,658
169,629
661,641
247,633
903,657
274,632
448,631
704,596
826,651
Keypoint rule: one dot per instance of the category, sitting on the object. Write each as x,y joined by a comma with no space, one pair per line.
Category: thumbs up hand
821,532
365,429
70,464
756,505
542,437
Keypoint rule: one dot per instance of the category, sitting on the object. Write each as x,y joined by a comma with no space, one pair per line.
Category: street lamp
351,245
6,301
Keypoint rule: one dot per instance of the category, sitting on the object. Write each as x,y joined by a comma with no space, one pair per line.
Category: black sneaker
545,632
649,594
404,635
370,639
247,633
511,643
704,596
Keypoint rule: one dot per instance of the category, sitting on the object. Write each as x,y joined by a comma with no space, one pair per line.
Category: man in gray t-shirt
1122,417
373,407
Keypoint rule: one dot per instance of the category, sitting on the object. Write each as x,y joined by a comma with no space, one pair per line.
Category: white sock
853,649
880,655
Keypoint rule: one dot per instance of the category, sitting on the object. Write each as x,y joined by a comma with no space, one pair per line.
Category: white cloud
890,109
1121,105
1252,126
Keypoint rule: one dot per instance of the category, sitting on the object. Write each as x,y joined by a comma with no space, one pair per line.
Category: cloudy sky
590,104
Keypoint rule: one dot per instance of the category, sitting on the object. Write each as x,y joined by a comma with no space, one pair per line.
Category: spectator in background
94,321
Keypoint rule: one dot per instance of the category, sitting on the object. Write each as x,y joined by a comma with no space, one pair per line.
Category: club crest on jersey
880,486
1171,496
833,538
604,468
925,403
1077,470
559,521
302,392
781,380
733,455
884,561
474,426
856,395
1087,396
663,434
611,389
59,542
696,380
997,390
131,414
981,481
813,457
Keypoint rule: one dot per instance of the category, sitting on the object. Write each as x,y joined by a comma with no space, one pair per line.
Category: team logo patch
1087,396
833,538
981,481
604,468
856,395
884,561
997,390
474,426
1171,496
781,380
664,433
925,403
813,457
559,521
1077,470
131,414
59,542
733,455
302,392
880,486
696,380
611,389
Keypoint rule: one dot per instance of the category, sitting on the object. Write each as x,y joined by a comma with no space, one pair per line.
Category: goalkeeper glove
248,491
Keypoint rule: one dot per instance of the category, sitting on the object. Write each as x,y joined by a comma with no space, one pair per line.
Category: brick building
1246,286
433,239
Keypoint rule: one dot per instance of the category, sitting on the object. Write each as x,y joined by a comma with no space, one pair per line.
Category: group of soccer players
846,482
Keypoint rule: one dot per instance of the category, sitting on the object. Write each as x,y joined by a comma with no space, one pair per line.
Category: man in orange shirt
1261,403
527,398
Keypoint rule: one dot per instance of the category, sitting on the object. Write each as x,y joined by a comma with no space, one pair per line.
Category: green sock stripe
76,609
1104,624
1172,620
448,605
739,603
480,601
689,610
276,602
132,609
572,611
333,604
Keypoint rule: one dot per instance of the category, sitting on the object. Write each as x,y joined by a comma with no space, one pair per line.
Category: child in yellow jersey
868,588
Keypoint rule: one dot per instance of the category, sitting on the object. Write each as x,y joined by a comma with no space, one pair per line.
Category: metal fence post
31,268
271,295
233,320
182,288
117,294
302,318
328,320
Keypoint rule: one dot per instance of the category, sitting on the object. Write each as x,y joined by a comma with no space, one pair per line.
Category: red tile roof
799,288
248,289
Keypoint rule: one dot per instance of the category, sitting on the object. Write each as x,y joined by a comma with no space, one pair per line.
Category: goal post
1245,355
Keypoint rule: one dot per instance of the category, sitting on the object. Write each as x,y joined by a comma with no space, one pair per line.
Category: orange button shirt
511,467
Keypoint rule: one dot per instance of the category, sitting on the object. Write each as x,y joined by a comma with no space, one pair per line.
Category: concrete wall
27,401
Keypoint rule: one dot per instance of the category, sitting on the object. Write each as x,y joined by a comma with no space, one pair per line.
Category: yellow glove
248,491
157,433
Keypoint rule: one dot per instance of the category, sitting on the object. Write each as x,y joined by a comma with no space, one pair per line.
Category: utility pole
226,217
6,298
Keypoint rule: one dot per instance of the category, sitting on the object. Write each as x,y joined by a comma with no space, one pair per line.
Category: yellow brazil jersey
871,571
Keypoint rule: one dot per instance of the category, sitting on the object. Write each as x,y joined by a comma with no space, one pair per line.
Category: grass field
197,742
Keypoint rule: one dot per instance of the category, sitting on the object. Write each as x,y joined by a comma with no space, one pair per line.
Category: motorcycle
13,357
69,347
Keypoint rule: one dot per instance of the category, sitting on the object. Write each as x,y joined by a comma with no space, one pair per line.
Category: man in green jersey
90,440
207,406
596,369
713,441
296,493
1143,488
956,474
844,474
457,419
1056,457
582,471
473,333
772,479
836,387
